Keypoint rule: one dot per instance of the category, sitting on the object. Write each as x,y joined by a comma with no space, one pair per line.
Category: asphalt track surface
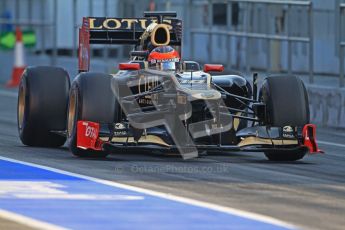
309,194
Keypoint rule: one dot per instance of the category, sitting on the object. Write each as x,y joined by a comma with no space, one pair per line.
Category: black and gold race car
158,102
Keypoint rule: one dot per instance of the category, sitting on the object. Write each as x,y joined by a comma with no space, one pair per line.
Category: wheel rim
71,112
21,106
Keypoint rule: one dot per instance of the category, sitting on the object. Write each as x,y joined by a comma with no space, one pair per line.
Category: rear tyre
90,99
42,106
286,100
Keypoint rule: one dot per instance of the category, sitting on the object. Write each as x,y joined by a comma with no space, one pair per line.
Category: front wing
89,136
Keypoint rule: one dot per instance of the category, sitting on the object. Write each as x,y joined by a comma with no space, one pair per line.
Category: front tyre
286,101
90,99
287,155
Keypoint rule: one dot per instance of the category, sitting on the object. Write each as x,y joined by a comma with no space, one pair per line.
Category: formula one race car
158,102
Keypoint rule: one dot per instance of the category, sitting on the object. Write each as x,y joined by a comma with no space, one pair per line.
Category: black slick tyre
42,106
90,99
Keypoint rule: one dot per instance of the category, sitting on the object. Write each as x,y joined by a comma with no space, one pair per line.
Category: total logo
119,126
288,132
120,129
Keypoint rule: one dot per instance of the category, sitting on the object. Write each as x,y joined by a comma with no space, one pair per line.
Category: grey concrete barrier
327,105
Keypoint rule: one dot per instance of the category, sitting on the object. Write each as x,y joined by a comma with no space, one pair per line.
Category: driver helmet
164,58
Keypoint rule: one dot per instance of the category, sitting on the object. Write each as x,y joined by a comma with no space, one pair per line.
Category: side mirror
213,68
129,66
190,66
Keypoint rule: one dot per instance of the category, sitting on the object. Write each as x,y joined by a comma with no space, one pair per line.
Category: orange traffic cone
19,65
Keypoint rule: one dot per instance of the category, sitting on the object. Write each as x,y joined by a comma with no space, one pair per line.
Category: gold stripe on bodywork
149,139
263,141
236,121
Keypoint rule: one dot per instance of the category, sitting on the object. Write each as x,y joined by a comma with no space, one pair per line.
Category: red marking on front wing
309,138
87,135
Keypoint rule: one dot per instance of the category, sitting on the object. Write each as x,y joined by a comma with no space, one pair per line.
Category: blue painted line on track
77,203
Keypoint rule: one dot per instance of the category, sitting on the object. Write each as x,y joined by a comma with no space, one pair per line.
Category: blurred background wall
246,35
269,36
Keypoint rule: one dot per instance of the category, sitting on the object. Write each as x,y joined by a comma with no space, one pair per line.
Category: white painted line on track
29,222
228,210
330,143
6,93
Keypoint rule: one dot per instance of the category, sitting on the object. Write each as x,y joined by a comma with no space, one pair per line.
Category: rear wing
103,30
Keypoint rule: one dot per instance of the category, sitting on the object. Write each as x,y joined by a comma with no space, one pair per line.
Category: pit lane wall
327,105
